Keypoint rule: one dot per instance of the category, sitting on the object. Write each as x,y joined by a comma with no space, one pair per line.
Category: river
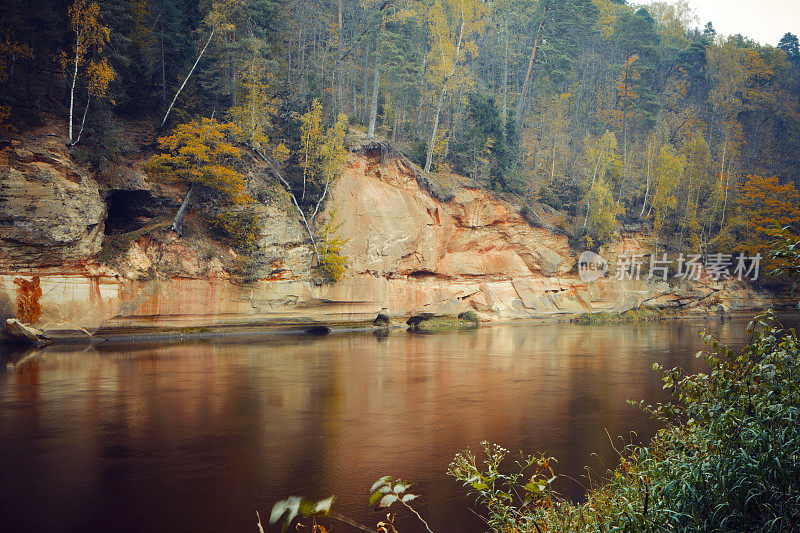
198,436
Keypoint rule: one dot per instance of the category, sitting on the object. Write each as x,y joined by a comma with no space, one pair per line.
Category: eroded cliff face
407,252
51,211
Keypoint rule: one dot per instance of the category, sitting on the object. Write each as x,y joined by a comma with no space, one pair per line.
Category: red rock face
407,252
396,229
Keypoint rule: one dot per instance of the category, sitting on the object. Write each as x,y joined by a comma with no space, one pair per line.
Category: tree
635,37
601,153
12,49
601,220
91,36
257,103
668,171
312,137
767,207
200,154
333,154
451,40
791,46
220,21
331,261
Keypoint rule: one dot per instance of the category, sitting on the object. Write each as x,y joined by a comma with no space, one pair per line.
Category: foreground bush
728,458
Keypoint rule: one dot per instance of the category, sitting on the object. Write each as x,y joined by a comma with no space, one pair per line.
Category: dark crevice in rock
131,210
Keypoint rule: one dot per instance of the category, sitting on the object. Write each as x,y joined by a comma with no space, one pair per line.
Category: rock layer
408,252
50,211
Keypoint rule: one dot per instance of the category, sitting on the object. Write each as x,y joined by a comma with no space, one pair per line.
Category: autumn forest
608,114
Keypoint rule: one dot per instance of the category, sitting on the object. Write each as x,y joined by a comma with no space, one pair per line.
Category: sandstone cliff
409,251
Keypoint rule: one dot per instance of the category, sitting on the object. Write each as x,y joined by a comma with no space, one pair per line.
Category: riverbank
303,328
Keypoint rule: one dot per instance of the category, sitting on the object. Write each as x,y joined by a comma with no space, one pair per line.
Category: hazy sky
764,21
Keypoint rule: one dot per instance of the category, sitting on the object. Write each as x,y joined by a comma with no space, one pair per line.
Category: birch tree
88,61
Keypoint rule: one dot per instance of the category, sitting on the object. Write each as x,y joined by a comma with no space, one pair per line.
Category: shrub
727,460
240,225
332,263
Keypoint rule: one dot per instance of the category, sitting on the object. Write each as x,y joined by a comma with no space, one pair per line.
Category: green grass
640,314
443,324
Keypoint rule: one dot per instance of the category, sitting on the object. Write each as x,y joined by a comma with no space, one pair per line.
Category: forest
608,114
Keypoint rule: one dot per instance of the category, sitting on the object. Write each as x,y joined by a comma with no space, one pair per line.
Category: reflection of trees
222,429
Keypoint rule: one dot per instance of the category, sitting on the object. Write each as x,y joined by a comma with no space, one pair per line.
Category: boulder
445,323
25,334
419,317
382,320
469,316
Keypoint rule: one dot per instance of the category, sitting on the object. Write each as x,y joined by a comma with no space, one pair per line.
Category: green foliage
388,490
385,492
507,496
601,221
240,226
287,510
488,150
332,263
728,460
784,254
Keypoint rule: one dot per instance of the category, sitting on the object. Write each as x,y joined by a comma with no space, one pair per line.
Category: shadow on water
197,436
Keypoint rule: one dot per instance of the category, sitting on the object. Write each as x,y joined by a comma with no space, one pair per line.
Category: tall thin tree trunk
169,109
421,97
373,111
594,177
83,120
74,79
431,145
365,88
429,157
163,68
647,191
177,222
373,108
524,92
338,69
725,202
505,73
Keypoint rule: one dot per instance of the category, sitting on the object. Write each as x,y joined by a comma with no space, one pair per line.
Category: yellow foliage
241,226
201,153
311,140
11,49
331,261
322,154
5,119
607,16
668,171
257,104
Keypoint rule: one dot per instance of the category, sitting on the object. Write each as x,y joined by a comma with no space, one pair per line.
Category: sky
765,21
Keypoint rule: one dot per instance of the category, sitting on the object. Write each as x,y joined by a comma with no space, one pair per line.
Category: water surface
198,436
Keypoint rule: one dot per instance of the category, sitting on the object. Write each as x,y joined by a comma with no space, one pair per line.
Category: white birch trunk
169,109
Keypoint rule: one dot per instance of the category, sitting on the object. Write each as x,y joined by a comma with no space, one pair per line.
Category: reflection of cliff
214,431
408,251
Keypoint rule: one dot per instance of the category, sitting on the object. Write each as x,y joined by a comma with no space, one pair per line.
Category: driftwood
25,334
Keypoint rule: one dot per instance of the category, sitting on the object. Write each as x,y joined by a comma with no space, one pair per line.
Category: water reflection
198,436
